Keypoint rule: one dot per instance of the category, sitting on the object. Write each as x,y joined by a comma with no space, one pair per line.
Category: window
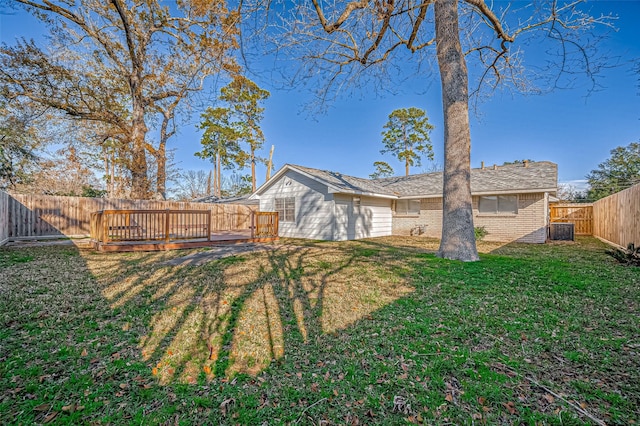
498,204
408,207
286,208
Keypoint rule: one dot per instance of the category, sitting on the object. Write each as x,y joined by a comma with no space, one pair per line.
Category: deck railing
112,226
150,225
265,224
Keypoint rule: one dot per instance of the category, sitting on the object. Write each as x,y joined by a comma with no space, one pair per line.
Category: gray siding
325,216
378,212
314,206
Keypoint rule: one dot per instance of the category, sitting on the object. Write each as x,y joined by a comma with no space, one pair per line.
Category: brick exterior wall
430,215
529,225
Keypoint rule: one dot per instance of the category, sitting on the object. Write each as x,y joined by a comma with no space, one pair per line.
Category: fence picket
27,215
616,217
581,215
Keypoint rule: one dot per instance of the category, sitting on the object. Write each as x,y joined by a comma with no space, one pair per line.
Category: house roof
241,199
344,183
539,176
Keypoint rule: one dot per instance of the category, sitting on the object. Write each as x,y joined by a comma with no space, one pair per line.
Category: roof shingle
513,178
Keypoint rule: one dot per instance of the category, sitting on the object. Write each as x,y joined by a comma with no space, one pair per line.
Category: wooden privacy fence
617,217
4,217
150,225
44,215
581,215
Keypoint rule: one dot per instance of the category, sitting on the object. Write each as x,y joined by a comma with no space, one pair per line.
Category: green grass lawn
376,331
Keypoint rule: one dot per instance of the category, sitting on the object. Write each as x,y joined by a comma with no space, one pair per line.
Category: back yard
373,331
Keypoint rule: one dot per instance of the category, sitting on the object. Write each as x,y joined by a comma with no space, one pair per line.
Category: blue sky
567,127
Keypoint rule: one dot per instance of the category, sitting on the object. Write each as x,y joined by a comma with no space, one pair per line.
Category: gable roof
344,183
537,176
240,199
335,182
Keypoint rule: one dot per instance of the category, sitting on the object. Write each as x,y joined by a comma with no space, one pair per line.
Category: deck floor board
217,238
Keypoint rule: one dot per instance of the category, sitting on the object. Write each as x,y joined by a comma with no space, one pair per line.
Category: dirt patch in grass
368,332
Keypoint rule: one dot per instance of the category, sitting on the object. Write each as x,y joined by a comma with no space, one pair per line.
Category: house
510,201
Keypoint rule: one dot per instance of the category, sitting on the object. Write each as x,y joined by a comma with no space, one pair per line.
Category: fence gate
581,215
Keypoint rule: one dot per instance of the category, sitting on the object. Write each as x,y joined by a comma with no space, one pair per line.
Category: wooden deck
158,230
222,237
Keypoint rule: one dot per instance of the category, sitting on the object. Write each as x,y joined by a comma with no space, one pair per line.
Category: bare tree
120,63
570,193
346,41
236,184
192,184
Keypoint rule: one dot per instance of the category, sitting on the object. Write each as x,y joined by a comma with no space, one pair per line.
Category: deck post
166,226
105,227
276,231
127,224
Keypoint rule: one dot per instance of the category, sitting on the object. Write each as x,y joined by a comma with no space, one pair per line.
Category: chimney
526,163
482,165
495,167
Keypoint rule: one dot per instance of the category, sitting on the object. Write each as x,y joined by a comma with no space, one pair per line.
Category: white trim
514,191
267,184
317,179
332,189
282,171
362,193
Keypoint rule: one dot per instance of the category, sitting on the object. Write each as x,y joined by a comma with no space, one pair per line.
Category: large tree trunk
139,178
161,159
136,50
458,240
161,178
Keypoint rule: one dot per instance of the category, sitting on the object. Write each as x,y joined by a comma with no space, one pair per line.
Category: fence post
209,226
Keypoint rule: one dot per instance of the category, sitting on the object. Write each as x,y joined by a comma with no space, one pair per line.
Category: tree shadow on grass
239,314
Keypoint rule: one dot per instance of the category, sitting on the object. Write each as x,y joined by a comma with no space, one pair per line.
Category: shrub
630,256
480,232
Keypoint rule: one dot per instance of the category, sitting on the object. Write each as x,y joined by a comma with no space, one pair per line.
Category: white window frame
286,208
491,205
404,207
